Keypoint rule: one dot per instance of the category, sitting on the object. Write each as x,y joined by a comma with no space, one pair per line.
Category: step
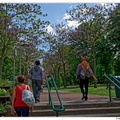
38,113
94,115
101,110
40,106
92,105
77,111
84,109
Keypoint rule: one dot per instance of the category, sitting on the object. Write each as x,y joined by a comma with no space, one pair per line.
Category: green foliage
7,69
117,66
22,21
10,91
97,39
3,92
5,82
2,108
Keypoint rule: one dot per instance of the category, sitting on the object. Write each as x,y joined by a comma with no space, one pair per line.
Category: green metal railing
111,79
50,80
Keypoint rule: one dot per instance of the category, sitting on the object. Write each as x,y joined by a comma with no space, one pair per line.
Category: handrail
110,77
107,76
57,110
114,78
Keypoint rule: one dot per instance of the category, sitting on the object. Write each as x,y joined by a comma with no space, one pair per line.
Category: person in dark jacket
84,81
37,80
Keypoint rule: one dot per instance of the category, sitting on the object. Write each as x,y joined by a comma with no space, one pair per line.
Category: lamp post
22,44
14,71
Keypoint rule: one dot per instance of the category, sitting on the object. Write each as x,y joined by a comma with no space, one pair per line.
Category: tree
113,37
6,35
59,49
20,21
92,26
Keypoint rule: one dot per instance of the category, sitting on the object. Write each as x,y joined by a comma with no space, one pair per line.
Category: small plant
5,82
2,108
3,92
7,103
10,91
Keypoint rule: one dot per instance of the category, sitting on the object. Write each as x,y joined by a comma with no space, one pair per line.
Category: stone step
77,111
81,109
92,105
94,115
40,106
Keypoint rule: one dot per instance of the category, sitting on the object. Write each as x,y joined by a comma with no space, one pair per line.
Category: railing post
49,94
56,113
49,100
110,77
109,91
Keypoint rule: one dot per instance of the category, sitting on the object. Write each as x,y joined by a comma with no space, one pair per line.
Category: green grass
69,87
100,90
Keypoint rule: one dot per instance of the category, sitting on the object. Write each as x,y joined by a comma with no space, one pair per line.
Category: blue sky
55,11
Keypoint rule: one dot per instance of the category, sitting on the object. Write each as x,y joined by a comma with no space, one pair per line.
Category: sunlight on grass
100,90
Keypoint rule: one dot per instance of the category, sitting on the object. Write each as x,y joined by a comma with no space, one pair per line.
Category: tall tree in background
20,21
59,49
113,37
92,26
7,35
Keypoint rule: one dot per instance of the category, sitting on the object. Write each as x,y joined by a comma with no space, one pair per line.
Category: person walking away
83,78
22,109
37,80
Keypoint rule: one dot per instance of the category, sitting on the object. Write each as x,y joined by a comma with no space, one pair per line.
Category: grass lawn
100,90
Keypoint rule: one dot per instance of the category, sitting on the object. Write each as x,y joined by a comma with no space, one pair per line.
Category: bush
3,92
2,108
5,82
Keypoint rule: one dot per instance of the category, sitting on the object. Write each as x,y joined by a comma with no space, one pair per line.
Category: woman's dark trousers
84,83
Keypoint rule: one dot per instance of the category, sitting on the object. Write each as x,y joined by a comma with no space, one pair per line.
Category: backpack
27,97
85,72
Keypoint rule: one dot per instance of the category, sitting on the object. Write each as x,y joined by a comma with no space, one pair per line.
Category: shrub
2,108
3,92
5,82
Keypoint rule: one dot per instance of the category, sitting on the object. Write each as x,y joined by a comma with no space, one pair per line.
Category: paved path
70,96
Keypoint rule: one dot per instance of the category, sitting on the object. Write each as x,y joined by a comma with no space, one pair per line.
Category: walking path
70,96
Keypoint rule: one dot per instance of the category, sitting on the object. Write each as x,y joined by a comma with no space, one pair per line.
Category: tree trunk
64,76
94,61
58,76
1,63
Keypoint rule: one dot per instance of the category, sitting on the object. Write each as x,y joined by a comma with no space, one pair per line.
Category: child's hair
84,63
37,62
21,78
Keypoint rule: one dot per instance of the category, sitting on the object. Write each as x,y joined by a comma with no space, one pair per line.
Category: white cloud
72,24
66,16
49,29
